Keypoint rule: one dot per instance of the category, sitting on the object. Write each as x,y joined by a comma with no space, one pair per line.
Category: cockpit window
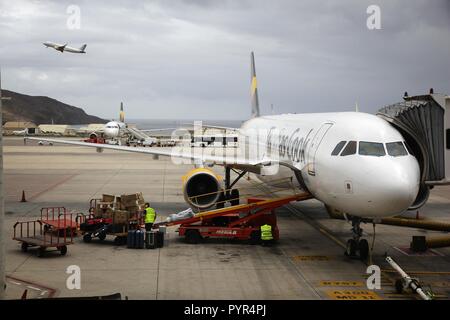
349,149
396,149
338,148
371,149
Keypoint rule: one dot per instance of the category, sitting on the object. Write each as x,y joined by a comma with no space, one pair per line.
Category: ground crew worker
266,235
150,217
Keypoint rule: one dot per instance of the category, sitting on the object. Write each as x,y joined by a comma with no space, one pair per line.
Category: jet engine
201,188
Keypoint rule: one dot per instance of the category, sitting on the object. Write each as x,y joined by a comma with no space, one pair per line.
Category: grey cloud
190,59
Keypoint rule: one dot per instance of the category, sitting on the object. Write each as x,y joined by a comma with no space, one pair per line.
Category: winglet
254,88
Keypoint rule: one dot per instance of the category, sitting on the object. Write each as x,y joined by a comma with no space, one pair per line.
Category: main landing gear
357,247
229,194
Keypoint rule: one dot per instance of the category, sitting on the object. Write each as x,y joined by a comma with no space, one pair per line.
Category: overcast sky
190,59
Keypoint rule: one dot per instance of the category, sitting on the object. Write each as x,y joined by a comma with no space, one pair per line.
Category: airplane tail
254,88
83,47
121,114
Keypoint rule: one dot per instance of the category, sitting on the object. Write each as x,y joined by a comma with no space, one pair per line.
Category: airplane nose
392,189
399,191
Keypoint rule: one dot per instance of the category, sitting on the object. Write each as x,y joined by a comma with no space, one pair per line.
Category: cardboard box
120,216
108,198
132,209
128,200
108,214
106,204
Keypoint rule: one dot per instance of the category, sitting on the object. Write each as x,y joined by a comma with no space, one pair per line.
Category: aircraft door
317,139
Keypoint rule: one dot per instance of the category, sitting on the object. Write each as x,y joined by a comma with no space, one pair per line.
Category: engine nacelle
201,188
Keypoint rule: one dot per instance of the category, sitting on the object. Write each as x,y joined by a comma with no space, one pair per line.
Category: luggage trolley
55,229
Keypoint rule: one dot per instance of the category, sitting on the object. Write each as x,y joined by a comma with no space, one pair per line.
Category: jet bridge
424,122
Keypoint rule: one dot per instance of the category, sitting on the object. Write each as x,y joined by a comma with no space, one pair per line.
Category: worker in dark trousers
266,235
150,217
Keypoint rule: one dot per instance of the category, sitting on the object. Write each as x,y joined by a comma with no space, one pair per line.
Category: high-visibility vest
266,232
150,215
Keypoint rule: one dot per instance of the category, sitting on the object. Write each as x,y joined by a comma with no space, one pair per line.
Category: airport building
11,126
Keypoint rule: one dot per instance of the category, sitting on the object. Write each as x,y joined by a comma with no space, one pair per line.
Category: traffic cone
23,197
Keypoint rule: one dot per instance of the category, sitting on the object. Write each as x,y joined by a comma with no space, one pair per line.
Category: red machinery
54,229
93,138
240,222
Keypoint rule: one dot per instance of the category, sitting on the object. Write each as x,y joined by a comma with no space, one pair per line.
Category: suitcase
131,238
159,239
139,242
150,240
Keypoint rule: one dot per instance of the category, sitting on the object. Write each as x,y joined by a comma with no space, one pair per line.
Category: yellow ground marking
353,295
341,283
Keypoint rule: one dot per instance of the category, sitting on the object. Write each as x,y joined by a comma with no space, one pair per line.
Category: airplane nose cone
392,190
400,191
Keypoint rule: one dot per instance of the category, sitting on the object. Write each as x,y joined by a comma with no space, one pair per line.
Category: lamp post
2,208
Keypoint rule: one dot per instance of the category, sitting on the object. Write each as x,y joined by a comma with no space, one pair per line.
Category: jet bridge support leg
357,247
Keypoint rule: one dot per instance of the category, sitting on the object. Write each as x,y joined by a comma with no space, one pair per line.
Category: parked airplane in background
64,47
353,162
114,131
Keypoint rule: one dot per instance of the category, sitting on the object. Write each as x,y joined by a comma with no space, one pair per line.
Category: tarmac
306,263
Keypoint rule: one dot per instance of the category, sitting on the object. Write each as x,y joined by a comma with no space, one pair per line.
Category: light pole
2,208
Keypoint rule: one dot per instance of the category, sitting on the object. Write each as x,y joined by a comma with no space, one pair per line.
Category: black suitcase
159,239
150,240
139,242
131,238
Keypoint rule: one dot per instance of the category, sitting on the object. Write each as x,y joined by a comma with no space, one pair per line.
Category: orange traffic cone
23,197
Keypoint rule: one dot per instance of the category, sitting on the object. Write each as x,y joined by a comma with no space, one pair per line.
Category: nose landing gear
357,247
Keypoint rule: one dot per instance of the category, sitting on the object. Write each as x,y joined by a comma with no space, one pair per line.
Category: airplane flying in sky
64,47
355,163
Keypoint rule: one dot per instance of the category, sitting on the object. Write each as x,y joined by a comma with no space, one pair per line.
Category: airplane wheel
363,247
221,201
351,248
235,197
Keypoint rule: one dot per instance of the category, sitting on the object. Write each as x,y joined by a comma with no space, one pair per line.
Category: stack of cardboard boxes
121,209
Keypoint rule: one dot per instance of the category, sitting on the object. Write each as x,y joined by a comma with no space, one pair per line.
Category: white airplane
64,47
353,162
114,130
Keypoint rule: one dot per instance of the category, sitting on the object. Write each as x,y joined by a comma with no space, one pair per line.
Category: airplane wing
184,153
156,130
214,127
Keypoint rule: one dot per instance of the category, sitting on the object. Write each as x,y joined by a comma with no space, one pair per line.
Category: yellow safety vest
266,232
150,215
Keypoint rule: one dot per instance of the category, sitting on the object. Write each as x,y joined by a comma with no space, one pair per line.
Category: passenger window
396,149
338,148
371,149
349,149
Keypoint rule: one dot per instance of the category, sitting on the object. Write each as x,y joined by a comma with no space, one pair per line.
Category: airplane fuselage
375,176
64,48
